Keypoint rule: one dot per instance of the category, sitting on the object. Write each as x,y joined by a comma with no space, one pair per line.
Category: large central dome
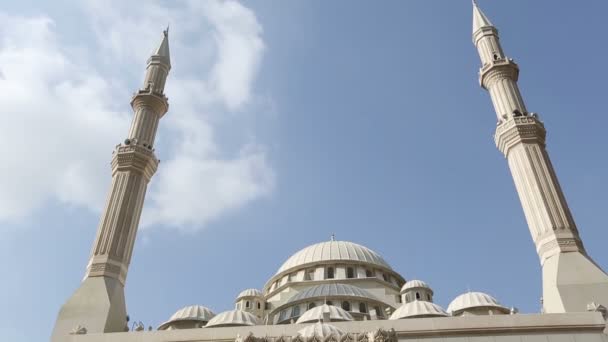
333,251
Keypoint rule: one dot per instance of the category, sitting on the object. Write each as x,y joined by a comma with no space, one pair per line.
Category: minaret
98,305
571,280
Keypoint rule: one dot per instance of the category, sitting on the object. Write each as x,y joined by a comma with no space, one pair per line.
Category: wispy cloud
60,119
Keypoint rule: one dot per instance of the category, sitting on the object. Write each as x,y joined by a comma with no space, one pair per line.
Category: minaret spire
479,19
98,304
571,279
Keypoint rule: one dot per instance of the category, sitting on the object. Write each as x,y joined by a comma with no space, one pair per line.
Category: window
282,315
310,275
385,277
330,273
296,311
267,306
362,308
428,296
247,304
259,305
346,305
238,306
379,312
311,305
399,299
350,272
369,273
329,302
417,295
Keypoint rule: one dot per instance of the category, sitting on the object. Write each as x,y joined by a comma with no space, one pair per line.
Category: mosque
341,291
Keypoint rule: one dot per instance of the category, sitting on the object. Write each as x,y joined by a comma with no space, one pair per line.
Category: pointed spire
163,48
479,19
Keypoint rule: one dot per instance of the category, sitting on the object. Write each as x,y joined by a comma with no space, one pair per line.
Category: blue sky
289,121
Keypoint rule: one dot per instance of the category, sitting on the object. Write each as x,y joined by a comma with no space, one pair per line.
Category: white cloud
60,119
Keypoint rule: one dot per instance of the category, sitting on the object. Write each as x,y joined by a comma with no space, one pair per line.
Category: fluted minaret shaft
521,137
98,305
133,165
571,280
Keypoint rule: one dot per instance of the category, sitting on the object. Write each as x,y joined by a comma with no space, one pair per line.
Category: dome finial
333,237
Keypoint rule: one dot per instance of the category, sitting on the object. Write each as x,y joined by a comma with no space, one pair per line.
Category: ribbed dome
316,314
321,330
331,290
333,250
471,300
415,284
418,308
233,318
189,313
250,293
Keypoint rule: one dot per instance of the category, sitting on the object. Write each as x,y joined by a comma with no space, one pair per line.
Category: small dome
333,251
417,309
196,313
415,284
315,314
322,330
472,300
233,318
250,293
332,290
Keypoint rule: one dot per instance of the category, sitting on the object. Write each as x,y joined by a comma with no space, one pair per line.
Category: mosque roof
415,284
233,318
471,300
315,314
322,330
190,313
331,290
418,308
333,251
250,293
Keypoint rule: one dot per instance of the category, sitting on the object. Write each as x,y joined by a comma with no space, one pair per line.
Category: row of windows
248,305
330,273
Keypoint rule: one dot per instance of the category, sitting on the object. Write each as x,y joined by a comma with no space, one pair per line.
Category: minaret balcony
146,97
134,158
496,70
520,129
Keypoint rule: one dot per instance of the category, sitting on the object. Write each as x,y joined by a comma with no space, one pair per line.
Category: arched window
247,304
330,273
311,305
346,305
296,311
350,272
379,312
417,295
368,273
259,305
428,296
362,308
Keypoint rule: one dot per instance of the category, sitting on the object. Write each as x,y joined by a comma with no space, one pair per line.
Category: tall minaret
571,280
99,303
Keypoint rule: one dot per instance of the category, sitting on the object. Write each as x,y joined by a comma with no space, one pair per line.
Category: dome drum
359,303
